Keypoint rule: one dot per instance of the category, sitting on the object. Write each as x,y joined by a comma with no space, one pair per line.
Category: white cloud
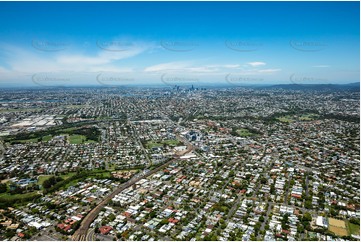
224,66
232,66
257,63
101,58
187,66
33,61
268,70
169,66
22,64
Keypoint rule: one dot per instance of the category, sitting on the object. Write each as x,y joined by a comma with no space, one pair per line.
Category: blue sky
115,43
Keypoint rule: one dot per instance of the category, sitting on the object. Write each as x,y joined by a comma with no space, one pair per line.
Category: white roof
35,224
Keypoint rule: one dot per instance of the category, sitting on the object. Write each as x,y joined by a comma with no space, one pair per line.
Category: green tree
308,204
111,217
3,187
307,217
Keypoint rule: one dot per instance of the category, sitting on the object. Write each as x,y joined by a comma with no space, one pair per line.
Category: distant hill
355,86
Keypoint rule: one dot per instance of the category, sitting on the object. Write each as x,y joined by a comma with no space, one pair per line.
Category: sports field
337,226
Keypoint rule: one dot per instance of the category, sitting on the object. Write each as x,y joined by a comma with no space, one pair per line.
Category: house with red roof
67,228
296,195
105,229
61,226
173,220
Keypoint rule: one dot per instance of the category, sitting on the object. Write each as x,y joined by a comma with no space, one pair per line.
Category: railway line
81,233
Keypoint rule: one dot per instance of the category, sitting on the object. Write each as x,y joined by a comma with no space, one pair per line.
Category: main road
81,233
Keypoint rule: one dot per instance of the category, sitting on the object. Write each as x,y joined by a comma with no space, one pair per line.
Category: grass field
338,230
79,139
337,223
337,226
42,178
17,196
173,142
73,139
46,138
34,140
76,139
105,174
309,117
69,184
353,228
244,132
302,117
286,119
28,140
75,135
152,144
68,129
67,175
170,142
